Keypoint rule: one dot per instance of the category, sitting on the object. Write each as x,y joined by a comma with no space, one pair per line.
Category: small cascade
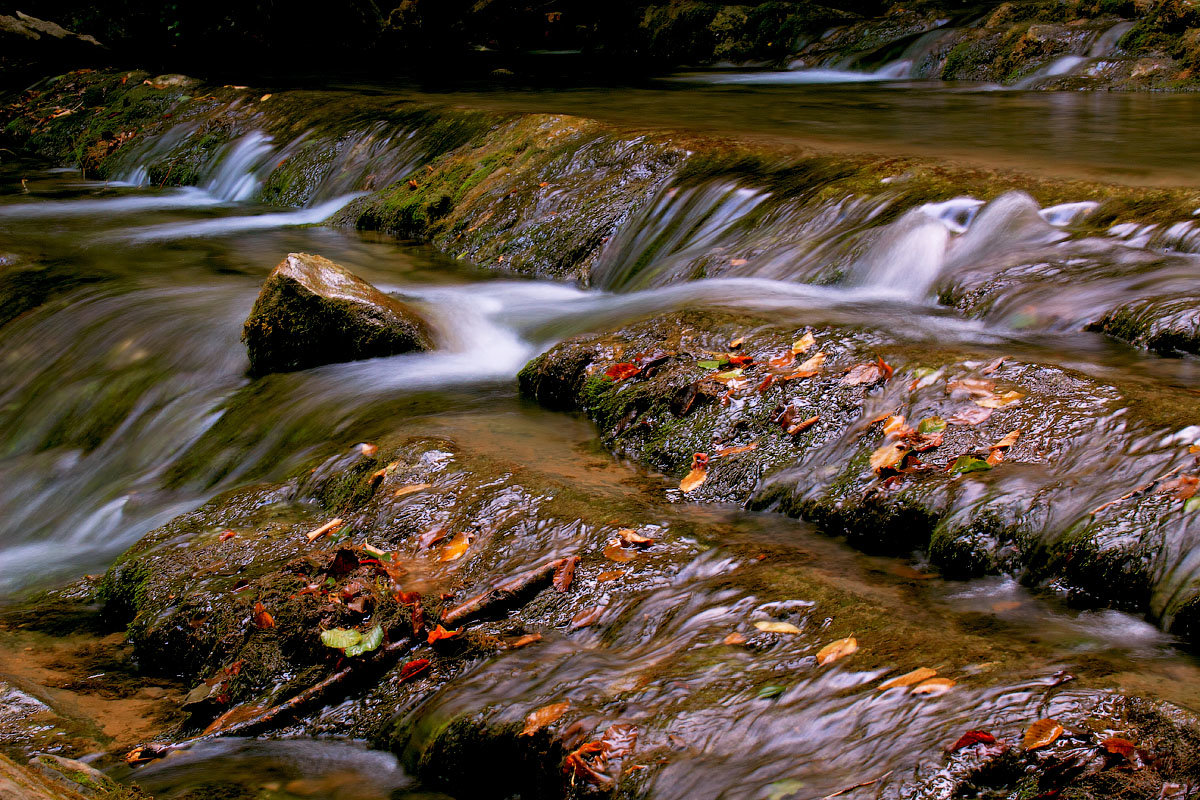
237,172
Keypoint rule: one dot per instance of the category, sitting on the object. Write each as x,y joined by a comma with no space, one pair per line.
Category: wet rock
28,43
312,311
1080,496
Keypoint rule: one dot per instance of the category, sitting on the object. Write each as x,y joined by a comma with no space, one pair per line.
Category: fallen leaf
609,575
227,535
234,716
456,547
587,616
773,626
931,425
340,638
327,528
370,641
696,477
966,464
975,387
1008,441
895,426
736,343
1183,487
1118,746
619,740
733,451
995,457
1041,733
970,739
262,618
999,401
536,720
782,360
615,552
738,262
889,456
803,426
1006,605
265,97
734,638
766,384
909,678
770,692
866,374
431,537
806,370
739,361
564,573
413,668
632,537
995,365
803,344
413,487
439,633
971,415
837,650
368,449
525,640
622,371
933,686
708,364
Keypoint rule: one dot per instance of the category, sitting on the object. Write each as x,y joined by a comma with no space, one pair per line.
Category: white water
187,197
239,224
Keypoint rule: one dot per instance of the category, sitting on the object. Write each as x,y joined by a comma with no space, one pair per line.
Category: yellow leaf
806,370
455,548
889,456
544,716
265,97
1041,733
693,480
837,650
803,343
999,401
776,627
933,686
1007,441
734,638
415,487
909,678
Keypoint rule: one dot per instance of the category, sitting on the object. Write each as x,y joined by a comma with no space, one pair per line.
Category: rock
72,774
28,43
312,311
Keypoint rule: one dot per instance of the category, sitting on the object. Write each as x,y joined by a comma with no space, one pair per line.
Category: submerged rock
312,311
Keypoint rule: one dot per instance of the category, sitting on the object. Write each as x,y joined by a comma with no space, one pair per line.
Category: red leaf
414,668
439,633
619,372
971,738
1118,746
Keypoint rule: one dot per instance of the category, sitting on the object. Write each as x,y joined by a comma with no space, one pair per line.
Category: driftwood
505,592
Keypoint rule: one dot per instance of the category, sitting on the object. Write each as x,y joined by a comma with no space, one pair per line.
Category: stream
124,400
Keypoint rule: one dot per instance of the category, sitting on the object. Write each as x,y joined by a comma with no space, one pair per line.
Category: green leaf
768,692
1192,504
783,789
931,425
370,640
708,364
340,638
969,464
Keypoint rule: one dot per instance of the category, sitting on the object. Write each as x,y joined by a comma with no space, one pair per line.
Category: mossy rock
312,311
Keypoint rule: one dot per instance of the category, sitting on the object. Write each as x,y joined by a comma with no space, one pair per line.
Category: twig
503,593
1134,492
849,789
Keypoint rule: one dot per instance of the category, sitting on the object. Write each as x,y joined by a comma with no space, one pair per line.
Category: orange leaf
1008,441
632,537
615,552
234,716
734,638
544,716
693,479
1183,487
1041,733
415,487
889,456
564,573
619,372
439,633
803,426
864,375
933,686
527,639
368,449
227,535
456,547
609,575
733,451
970,739
783,360
413,668
1118,746
587,617
837,650
262,618
736,343
909,678
806,370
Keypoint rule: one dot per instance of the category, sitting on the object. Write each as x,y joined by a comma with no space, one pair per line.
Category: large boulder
312,311
29,44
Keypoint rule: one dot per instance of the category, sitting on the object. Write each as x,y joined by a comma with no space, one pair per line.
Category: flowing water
124,399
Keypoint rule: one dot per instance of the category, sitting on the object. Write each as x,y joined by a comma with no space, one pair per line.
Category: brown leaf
866,374
325,529
734,638
782,360
766,384
456,547
696,477
632,537
1008,441
1041,733
609,575
413,487
413,668
546,715
527,639
619,740
803,426
1118,746
564,572
837,650
439,633
431,537
933,686
970,415
971,387
262,618
234,716
587,616
909,678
